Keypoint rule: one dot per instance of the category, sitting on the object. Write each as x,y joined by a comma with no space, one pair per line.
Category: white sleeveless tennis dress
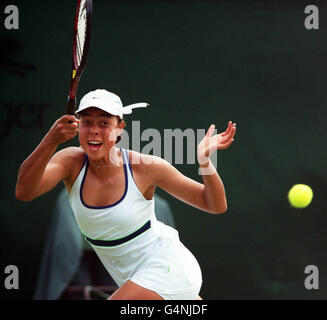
133,245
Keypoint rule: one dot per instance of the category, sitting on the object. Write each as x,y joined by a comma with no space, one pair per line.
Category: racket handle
71,106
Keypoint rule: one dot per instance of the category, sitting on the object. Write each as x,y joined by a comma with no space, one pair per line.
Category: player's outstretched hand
64,129
210,143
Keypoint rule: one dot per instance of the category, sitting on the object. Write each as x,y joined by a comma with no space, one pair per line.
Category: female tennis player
111,193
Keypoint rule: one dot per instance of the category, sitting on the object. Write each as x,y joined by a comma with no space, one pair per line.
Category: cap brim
113,112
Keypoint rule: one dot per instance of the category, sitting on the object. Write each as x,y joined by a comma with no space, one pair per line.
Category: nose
94,130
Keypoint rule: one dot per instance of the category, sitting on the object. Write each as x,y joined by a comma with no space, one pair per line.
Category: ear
122,124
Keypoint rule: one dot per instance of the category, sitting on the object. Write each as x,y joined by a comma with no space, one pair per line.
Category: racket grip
71,106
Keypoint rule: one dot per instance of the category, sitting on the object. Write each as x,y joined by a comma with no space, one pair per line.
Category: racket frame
78,70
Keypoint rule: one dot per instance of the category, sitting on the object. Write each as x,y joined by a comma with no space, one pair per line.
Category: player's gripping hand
210,143
64,129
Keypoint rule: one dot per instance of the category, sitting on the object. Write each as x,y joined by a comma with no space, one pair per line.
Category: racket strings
81,33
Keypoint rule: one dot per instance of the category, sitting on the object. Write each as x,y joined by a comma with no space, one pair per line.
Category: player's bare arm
43,170
209,196
213,186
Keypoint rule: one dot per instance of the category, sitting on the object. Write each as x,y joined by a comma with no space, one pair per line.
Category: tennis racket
81,42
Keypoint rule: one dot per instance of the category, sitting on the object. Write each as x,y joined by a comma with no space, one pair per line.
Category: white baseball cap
108,102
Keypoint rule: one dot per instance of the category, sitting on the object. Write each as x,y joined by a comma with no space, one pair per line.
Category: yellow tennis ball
300,196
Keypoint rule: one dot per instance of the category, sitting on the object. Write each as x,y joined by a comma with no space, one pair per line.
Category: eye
86,122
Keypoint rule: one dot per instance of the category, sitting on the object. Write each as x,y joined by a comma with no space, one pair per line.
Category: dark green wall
196,63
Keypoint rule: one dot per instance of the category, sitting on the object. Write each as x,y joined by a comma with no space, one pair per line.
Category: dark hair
119,137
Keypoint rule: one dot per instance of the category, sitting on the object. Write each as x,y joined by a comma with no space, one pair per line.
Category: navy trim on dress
111,205
116,242
129,163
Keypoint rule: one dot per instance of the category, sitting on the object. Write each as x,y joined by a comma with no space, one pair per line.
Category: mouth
94,145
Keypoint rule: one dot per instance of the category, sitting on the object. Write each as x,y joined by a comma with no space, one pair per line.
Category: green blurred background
196,63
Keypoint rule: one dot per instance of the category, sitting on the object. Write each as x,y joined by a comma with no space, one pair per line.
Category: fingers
64,129
232,130
69,122
226,144
67,118
228,138
219,141
210,131
207,136
229,128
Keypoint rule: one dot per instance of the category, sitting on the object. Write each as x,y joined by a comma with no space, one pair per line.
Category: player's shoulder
72,159
139,158
70,155
145,163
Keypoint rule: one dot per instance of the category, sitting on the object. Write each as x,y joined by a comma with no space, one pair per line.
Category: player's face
98,131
